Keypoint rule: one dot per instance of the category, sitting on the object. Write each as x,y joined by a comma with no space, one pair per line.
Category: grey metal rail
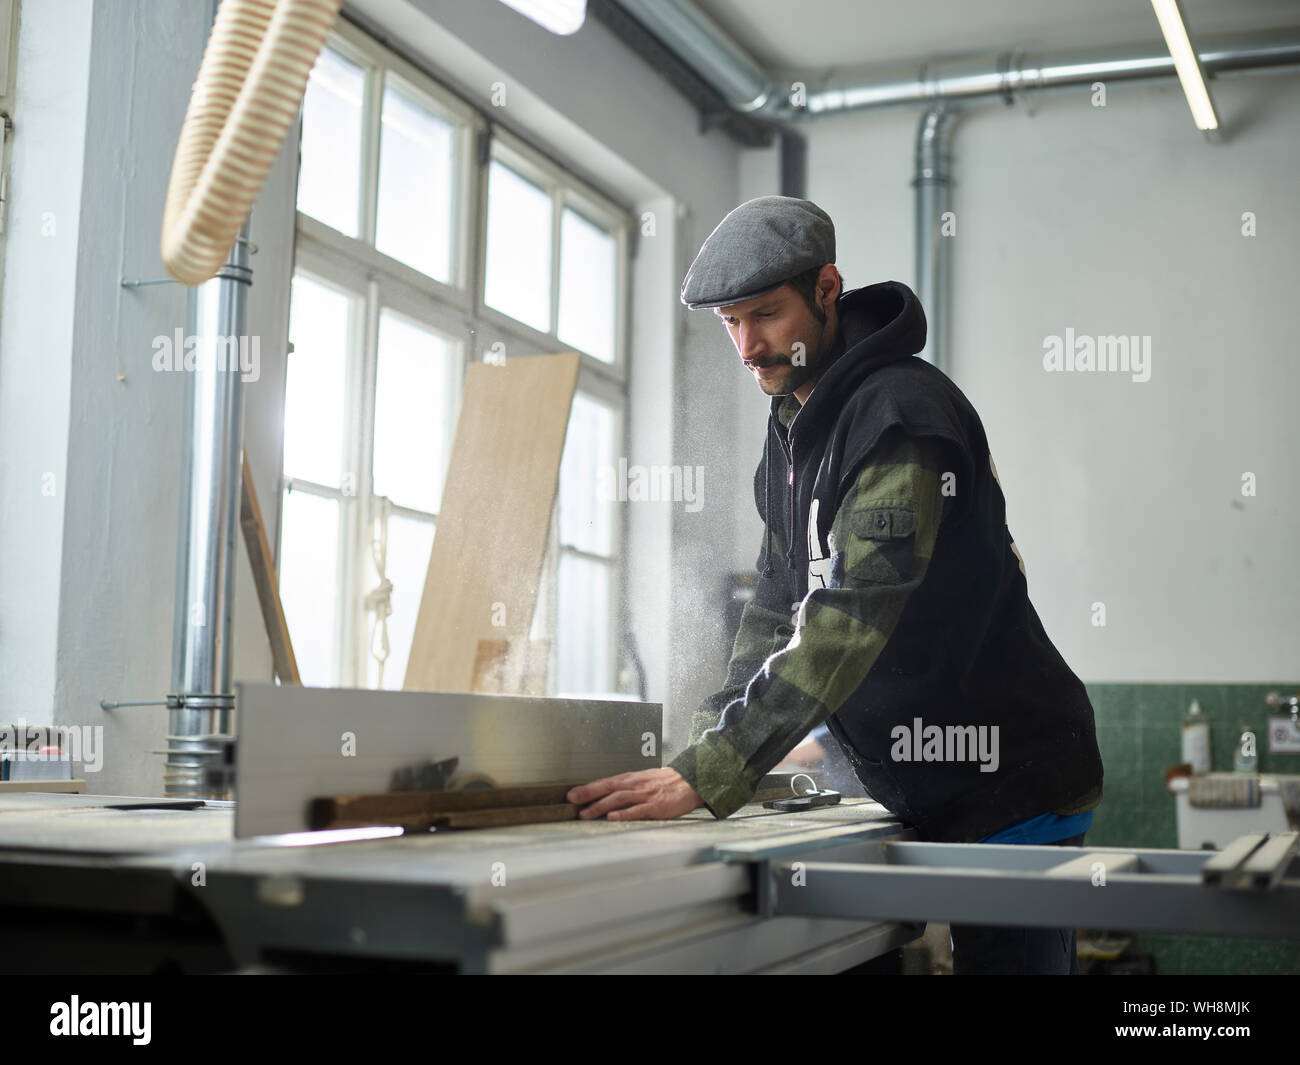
1251,888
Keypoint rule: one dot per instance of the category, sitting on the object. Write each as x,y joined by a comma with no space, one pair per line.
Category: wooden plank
397,803
498,818
501,668
490,665
507,815
486,563
460,807
268,590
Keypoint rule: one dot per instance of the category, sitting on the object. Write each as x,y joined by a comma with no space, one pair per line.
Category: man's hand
645,795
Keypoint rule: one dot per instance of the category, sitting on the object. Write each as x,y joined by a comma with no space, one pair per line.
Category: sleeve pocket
884,523
885,549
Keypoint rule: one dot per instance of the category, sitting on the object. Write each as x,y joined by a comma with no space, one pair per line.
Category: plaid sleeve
765,628
881,540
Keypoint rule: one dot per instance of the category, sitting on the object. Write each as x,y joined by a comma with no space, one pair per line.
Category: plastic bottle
1196,739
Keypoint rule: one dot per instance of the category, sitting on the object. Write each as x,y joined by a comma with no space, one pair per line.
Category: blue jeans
997,950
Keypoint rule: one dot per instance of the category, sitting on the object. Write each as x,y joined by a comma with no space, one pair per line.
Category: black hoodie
968,648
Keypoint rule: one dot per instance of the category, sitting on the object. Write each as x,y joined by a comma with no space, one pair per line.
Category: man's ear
833,290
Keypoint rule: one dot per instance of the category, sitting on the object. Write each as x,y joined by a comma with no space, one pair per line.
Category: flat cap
756,249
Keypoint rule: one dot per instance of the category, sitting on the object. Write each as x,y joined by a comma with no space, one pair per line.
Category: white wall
1120,220
36,339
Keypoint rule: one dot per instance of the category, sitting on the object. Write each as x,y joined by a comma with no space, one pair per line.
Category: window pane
588,292
413,406
518,248
315,383
329,178
415,182
588,478
407,565
309,545
583,627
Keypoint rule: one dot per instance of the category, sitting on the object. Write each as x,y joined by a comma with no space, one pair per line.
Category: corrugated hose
250,86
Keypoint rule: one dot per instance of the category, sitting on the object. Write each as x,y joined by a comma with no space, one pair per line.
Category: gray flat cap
756,249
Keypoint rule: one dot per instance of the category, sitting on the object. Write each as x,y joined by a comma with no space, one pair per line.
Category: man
891,602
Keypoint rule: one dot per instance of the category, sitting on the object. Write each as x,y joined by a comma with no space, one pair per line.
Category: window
518,248
321,320
329,175
416,183
417,254
587,560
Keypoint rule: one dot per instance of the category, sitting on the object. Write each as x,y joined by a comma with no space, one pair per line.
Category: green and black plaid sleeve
883,535
765,628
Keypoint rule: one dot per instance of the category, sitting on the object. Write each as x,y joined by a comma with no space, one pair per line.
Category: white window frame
457,311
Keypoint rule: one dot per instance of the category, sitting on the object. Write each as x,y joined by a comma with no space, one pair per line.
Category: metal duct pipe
251,83
705,47
1009,73
201,702
933,184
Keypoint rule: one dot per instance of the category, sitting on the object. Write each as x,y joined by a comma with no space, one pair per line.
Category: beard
788,377
786,380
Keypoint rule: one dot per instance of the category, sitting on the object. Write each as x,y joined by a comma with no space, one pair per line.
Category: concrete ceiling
844,34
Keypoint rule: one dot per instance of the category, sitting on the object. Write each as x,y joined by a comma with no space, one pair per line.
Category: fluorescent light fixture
559,16
1186,63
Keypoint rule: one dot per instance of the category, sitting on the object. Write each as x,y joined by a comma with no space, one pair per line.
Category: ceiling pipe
707,50
715,110
1009,74
933,184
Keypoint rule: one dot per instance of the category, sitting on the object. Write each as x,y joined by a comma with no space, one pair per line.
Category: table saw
96,883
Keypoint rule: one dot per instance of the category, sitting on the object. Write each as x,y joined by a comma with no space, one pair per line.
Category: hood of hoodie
878,324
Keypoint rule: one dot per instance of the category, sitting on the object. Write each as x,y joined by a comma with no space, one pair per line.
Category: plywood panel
486,563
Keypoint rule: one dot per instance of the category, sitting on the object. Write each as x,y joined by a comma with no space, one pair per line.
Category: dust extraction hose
250,86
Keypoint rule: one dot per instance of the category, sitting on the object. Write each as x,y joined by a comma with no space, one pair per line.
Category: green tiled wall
1139,733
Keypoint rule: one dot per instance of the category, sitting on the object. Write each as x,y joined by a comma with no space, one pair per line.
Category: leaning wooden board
266,582
486,563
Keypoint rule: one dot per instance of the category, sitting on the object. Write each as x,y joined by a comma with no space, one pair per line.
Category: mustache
756,365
